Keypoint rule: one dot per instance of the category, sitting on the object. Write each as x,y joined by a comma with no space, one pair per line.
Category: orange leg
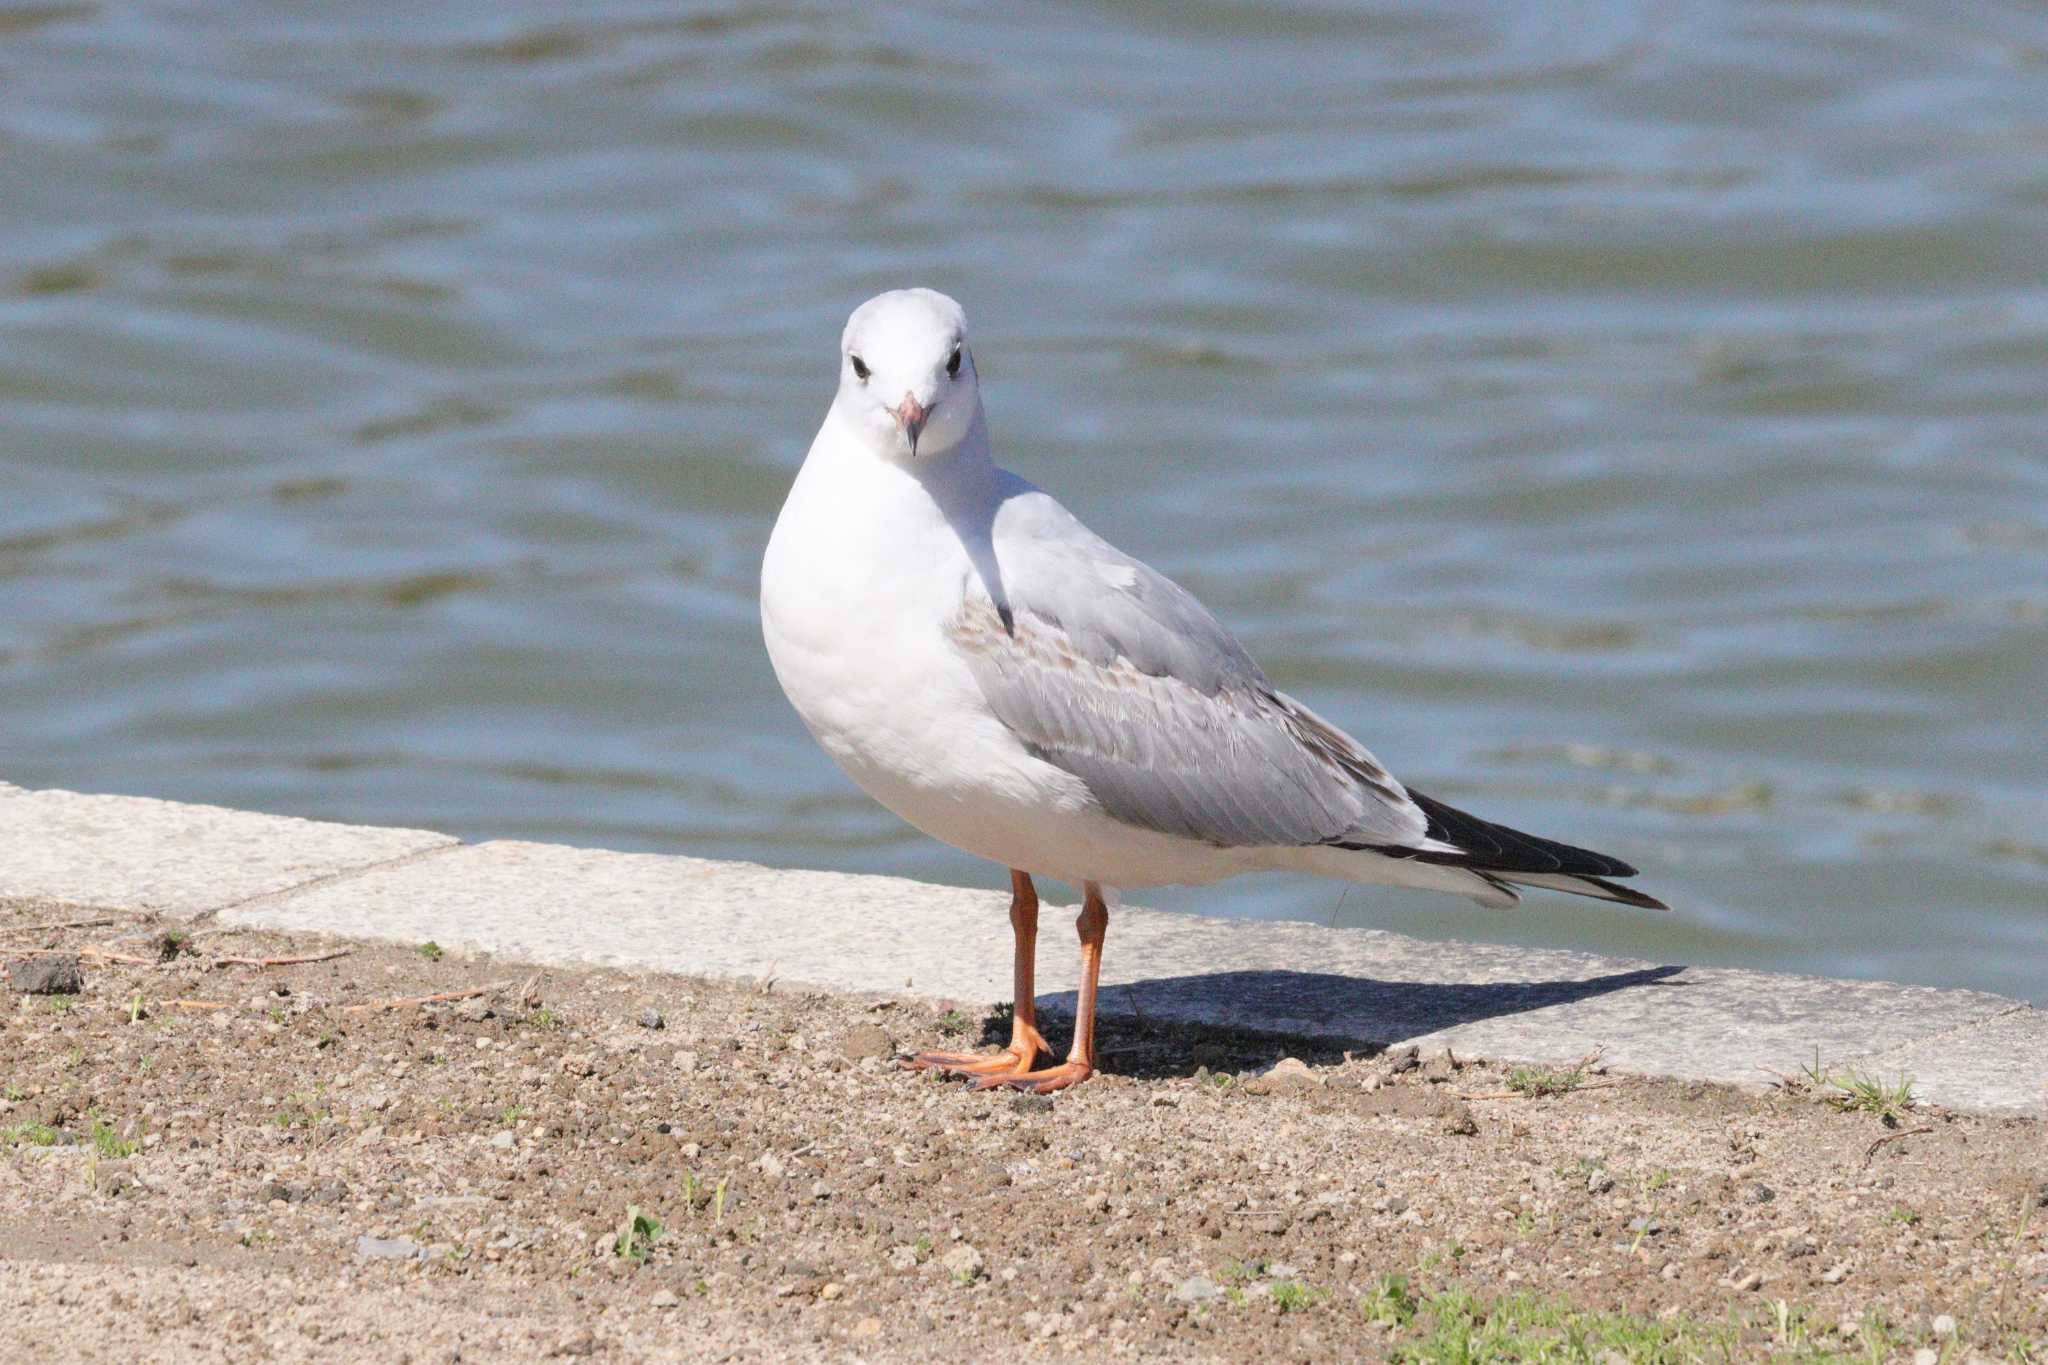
1025,1040
1092,924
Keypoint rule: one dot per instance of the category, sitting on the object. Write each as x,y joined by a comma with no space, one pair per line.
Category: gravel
312,1181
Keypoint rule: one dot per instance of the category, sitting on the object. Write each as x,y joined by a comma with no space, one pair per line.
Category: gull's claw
1014,1060
1069,1072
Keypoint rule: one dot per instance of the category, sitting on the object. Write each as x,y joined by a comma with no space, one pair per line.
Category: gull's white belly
860,652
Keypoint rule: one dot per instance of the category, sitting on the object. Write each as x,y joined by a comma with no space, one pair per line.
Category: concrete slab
1999,1065
566,905
1358,987
134,853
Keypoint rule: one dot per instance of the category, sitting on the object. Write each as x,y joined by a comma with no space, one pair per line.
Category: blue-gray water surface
1630,420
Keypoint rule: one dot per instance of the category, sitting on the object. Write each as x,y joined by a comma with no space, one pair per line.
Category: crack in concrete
347,874
1954,1031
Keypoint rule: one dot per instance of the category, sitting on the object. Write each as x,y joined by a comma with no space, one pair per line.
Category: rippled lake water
1630,421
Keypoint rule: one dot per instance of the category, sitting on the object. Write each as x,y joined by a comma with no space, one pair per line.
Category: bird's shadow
1166,1026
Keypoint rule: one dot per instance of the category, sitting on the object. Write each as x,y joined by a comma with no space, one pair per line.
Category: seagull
1005,680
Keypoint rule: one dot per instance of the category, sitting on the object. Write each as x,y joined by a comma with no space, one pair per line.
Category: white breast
861,575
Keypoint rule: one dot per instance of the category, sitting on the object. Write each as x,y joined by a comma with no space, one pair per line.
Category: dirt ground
210,1160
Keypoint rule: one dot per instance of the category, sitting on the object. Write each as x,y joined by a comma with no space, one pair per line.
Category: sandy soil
285,1176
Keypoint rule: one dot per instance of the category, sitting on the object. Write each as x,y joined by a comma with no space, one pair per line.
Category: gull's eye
953,365
860,369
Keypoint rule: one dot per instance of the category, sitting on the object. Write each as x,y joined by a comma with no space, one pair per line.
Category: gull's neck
961,476
959,489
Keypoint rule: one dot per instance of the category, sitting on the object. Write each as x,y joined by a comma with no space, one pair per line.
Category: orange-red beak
910,416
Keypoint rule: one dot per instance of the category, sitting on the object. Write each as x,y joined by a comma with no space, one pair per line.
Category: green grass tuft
1292,1296
1537,1083
1391,1303
1856,1092
1458,1326
302,1109
636,1235
109,1143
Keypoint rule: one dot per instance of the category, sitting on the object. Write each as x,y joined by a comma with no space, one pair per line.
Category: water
1633,426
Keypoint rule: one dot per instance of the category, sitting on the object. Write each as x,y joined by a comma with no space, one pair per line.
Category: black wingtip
1497,848
1627,895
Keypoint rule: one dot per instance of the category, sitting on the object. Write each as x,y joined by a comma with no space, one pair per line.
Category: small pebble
390,1248
57,974
964,1263
651,1018
1459,1119
868,1040
1944,1325
1287,1074
1760,1194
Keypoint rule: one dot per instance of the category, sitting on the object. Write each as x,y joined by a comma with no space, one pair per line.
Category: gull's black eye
860,370
953,365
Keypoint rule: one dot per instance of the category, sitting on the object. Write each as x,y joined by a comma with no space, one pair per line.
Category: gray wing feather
1114,673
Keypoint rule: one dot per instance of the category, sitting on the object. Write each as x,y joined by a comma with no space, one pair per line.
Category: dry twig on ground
1892,1137
1537,1094
442,998
59,924
90,950
281,961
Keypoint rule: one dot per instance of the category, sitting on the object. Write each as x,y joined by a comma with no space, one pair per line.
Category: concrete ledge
134,853
553,904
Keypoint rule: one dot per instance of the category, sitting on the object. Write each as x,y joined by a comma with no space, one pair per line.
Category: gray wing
1114,673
